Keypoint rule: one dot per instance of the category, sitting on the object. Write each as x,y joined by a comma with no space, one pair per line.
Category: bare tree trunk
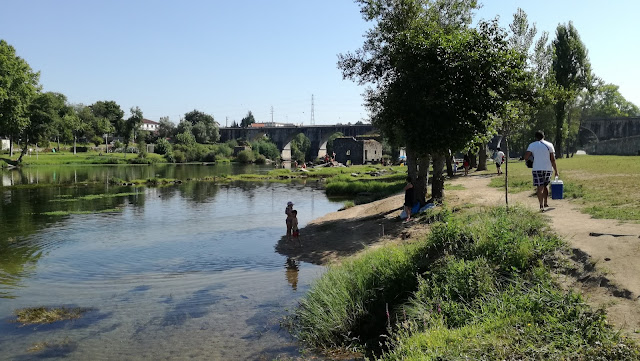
24,150
506,171
74,145
422,180
437,185
11,146
482,157
58,140
412,163
473,163
449,163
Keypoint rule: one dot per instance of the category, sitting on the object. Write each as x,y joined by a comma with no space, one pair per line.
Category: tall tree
247,120
109,111
166,129
43,112
131,127
572,74
18,87
208,131
437,81
385,61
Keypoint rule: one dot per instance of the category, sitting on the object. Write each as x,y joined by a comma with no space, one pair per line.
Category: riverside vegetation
480,286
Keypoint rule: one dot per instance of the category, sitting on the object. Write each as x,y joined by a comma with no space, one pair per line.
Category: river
186,271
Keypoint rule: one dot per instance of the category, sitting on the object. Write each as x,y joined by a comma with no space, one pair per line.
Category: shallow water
181,272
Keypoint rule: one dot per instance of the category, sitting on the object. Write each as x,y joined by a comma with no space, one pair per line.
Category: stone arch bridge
283,135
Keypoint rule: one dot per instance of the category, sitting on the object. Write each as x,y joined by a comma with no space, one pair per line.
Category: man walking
544,162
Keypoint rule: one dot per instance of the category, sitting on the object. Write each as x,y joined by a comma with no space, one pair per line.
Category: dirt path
609,248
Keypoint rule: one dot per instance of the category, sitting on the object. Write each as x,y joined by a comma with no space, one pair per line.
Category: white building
149,125
4,144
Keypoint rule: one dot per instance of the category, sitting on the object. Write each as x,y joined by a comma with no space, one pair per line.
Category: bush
260,159
179,156
163,146
477,288
245,156
210,157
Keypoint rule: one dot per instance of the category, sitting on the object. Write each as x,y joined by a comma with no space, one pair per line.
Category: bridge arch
283,135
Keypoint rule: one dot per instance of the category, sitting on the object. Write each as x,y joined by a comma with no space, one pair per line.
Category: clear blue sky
228,57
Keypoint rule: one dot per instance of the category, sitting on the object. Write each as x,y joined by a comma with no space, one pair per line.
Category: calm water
181,272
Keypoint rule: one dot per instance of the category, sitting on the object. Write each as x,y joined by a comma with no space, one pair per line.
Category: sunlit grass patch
454,187
66,213
44,315
479,287
92,197
608,186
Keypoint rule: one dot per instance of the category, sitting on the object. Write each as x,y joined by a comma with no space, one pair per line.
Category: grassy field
607,186
91,157
478,287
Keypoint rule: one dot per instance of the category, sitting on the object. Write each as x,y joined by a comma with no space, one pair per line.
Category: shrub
245,156
163,146
210,157
179,156
260,159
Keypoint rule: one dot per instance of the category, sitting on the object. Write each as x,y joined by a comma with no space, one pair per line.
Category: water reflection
292,268
72,174
165,264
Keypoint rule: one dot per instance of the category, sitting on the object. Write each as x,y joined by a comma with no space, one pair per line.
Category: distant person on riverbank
289,212
499,160
295,232
544,162
408,198
466,162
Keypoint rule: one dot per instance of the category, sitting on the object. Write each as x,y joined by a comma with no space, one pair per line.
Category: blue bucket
557,189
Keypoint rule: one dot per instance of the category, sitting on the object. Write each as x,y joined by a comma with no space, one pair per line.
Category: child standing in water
289,212
294,225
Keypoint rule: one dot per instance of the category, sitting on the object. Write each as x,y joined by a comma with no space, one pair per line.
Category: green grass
607,186
92,197
478,288
66,213
91,157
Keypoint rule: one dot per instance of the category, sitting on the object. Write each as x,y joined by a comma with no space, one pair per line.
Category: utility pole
313,118
226,120
272,114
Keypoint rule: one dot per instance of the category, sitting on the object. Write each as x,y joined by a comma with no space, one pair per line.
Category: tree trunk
449,164
74,145
560,113
412,162
58,140
482,157
437,185
11,146
472,160
422,180
506,172
25,145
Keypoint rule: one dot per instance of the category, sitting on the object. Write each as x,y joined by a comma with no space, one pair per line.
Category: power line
313,118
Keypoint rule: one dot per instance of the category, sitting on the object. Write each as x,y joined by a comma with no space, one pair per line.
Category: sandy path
615,253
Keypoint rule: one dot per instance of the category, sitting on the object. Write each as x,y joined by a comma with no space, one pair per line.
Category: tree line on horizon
437,85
